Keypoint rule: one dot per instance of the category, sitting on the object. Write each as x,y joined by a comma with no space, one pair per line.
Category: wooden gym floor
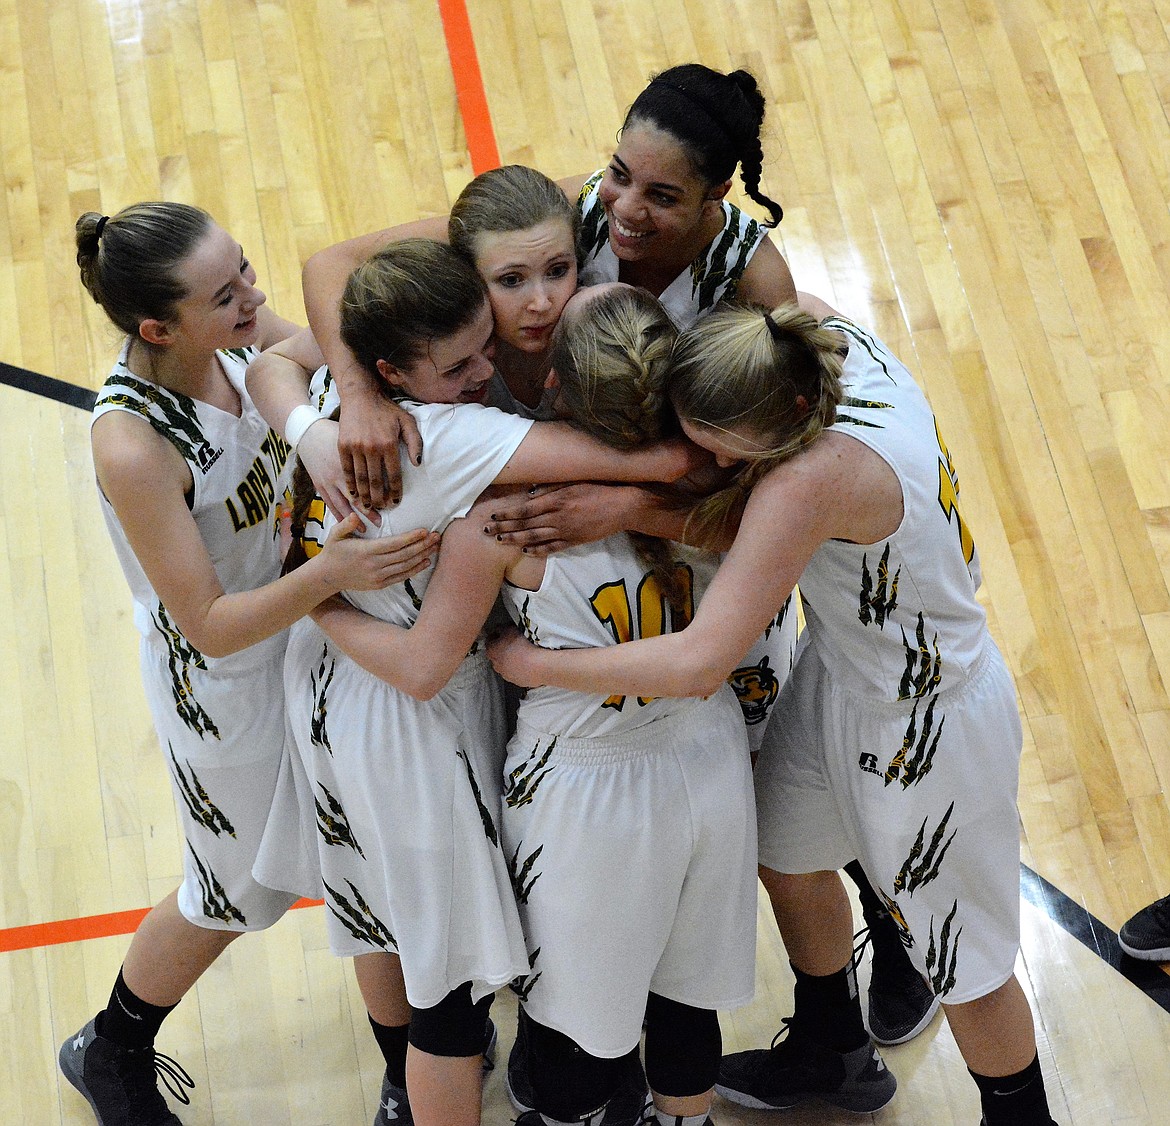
984,182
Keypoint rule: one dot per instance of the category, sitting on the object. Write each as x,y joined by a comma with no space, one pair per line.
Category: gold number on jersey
611,604
948,496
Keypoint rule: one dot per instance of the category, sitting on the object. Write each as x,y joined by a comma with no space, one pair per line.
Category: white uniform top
712,276
912,625
594,595
241,469
465,446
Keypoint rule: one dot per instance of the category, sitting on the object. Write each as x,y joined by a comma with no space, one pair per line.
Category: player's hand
548,518
354,563
371,428
317,451
515,658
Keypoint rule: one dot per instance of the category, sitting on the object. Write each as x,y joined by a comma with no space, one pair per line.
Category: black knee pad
683,1046
453,1027
568,1084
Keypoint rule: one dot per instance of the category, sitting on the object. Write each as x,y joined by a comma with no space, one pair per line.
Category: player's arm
556,451
273,328
278,381
371,425
419,661
767,281
817,495
549,518
146,481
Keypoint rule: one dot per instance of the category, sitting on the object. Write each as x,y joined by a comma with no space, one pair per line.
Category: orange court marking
478,130
91,926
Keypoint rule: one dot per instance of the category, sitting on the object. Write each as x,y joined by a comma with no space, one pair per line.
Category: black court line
1088,930
1071,917
57,389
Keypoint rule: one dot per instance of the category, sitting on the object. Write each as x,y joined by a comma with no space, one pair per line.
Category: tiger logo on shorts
755,687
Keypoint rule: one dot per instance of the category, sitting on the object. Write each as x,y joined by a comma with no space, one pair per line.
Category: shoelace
174,1076
785,1029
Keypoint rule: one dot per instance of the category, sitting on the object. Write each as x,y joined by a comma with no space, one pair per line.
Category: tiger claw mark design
197,800
489,826
182,657
522,986
877,605
707,277
333,825
925,861
911,770
942,954
319,681
216,904
519,873
521,785
358,919
923,664
899,919
530,631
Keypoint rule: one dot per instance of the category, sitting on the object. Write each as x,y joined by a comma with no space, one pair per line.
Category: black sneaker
1147,934
122,1084
626,1108
393,1106
900,1003
795,1069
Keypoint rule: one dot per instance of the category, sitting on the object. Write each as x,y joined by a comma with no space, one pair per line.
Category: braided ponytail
717,118
612,360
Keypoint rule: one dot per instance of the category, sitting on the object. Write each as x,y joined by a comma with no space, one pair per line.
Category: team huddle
469,611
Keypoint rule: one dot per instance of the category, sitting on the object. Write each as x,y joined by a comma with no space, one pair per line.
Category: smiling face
655,201
219,310
453,369
530,275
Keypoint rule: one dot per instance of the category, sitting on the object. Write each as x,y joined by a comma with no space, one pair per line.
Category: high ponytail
772,376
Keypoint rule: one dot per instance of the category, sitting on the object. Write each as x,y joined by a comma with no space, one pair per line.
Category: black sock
828,1009
1014,1100
128,1020
884,935
392,1040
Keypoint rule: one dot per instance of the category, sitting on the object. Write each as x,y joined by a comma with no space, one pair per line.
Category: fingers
377,493
336,501
517,534
410,436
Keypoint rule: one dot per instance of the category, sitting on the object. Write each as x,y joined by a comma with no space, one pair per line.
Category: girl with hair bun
657,216
896,738
660,789
192,483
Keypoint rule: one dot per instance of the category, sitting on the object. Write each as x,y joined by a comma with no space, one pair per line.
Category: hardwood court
983,182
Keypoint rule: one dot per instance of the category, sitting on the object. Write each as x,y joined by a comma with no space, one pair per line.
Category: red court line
473,107
91,926
481,145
